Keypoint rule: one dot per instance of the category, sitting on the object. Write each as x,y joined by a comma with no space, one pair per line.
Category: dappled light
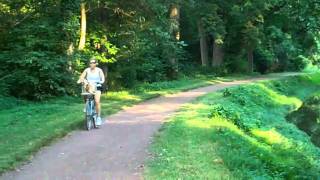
271,137
280,98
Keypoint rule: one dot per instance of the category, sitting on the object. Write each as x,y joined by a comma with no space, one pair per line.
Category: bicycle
88,91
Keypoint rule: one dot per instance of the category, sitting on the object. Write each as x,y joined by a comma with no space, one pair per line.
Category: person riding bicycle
94,75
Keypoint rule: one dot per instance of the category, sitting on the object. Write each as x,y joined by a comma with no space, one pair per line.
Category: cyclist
95,75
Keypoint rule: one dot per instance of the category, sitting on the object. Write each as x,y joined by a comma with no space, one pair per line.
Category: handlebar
90,88
86,82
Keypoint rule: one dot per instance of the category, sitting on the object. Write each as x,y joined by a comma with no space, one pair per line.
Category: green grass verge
28,126
239,133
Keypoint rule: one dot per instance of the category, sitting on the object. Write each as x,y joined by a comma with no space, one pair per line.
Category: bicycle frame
90,105
90,114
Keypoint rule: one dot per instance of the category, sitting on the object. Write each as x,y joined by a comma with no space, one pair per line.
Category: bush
307,118
264,60
37,75
236,65
128,78
298,63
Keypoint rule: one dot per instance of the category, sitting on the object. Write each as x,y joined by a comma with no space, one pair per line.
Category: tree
214,26
149,41
203,44
175,31
83,28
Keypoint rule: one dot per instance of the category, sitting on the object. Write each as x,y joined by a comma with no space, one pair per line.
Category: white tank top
93,76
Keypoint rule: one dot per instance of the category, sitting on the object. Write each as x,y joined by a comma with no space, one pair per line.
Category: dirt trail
117,150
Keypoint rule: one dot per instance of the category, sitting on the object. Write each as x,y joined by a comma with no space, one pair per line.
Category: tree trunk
250,60
175,21
68,9
203,45
70,52
217,56
175,31
83,27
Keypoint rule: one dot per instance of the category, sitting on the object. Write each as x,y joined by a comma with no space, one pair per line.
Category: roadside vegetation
307,117
239,133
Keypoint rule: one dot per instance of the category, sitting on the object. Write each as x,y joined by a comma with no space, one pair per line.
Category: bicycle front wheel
89,122
89,116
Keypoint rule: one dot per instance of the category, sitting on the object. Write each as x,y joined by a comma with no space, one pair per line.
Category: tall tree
83,28
175,31
215,28
175,21
203,44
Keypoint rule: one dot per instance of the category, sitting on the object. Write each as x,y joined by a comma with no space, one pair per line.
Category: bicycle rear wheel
94,120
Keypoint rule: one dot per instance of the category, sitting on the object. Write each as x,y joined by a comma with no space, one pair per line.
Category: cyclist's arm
82,76
102,77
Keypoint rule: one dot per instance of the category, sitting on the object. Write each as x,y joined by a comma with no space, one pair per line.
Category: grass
28,126
239,133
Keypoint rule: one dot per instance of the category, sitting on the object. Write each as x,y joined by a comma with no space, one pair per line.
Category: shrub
307,118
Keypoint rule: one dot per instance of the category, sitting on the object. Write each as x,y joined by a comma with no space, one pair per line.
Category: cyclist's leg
98,107
97,101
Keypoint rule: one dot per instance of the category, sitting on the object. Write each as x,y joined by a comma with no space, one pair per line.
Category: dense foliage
239,133
42,50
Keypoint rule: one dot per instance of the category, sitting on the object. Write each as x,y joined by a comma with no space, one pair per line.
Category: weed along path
119,148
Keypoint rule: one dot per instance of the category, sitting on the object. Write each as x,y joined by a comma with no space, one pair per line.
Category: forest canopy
45,44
